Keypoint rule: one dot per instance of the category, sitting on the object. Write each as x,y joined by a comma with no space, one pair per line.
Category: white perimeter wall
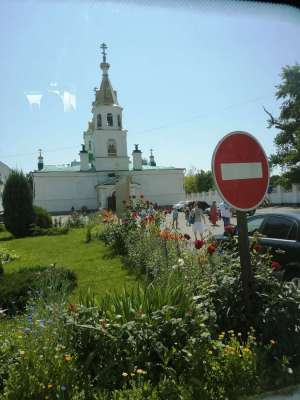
162,186
60,191
278,196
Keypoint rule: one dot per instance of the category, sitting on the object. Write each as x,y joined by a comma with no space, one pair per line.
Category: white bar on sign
232,171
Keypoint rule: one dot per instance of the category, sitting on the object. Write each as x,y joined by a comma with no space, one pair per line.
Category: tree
198,181
17,204
204,181
287,141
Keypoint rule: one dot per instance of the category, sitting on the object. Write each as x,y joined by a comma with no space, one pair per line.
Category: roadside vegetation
179,334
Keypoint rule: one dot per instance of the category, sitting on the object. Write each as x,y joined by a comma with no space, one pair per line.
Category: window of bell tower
110,121
111,148
119,121
99,121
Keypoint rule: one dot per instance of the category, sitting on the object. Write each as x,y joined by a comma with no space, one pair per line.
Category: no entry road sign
241,171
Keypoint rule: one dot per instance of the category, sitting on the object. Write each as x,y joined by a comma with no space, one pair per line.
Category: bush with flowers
18,288
165,335
212,273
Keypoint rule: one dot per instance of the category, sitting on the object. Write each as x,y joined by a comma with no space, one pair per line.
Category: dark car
281,234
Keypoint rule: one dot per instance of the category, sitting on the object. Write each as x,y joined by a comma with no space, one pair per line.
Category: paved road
220,228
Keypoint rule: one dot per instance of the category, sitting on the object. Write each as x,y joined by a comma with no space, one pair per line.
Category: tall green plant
17,204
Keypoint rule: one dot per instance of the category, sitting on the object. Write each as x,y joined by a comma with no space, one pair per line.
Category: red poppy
257,247
198,244
211,248
275,265
229,229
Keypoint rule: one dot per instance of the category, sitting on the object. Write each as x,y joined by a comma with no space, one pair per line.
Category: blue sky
186,75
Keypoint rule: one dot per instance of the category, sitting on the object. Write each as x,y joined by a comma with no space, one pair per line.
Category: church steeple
151,159
105,95
40,160
105,139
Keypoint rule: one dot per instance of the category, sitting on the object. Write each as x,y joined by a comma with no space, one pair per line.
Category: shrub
149,329
17,288
42,218
114,235
17,204
75,220
53,231
275,303
36,361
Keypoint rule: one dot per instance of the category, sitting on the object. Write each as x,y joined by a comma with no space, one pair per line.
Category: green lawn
92,262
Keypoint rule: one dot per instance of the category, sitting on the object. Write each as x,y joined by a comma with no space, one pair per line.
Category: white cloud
69,100
34,99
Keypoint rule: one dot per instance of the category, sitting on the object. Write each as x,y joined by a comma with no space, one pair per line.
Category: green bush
17,204
114,236
35,359
42,218
275,303
150,329
53,231
75,220
17,288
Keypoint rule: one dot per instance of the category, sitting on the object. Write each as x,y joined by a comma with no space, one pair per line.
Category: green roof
150,167
60,168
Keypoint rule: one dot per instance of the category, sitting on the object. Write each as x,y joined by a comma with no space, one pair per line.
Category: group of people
194,215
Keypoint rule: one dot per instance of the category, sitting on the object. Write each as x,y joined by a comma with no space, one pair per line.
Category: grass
96,269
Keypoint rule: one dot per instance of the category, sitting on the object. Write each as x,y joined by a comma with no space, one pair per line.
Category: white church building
103,162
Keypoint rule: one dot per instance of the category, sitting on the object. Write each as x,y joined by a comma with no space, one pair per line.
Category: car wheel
296,282
293,276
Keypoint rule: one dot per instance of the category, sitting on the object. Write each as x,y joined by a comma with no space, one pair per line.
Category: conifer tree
17,204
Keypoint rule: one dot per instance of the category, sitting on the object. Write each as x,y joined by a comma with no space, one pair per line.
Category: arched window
99,121
110,121
119,121
111,148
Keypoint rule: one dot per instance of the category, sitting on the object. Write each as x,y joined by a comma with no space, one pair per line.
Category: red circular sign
241,170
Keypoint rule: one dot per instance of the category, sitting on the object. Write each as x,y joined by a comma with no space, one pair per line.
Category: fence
278,196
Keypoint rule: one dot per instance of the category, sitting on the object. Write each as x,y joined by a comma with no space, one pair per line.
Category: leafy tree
198,181
281,180
204,181
17,204
287,141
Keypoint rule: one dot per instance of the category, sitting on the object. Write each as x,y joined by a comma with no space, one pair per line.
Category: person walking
213,214
197,216
225,213
187,216
175,218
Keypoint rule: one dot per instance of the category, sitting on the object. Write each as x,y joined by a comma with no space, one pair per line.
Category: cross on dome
103,47
104,65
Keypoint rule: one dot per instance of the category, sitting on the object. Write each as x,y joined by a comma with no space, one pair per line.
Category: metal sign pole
246,269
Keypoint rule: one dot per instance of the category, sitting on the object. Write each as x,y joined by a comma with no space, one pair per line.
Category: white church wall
111,163
162,186
61,191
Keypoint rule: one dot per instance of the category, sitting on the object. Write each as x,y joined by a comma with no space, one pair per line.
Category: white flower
180,262
290,371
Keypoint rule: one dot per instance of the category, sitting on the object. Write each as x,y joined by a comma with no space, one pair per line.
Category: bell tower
105,138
